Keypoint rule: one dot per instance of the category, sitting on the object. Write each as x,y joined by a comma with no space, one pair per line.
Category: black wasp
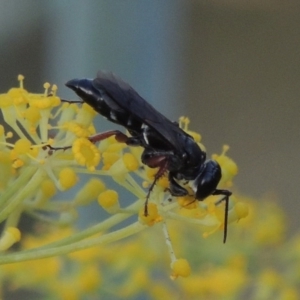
166,146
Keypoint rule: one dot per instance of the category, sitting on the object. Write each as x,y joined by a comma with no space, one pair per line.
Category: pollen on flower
228,166
109,158
86,153
90,191
270,278
22,146
5,101
18,163
32,115
84,118
4,158
48,188
46,87
152,217
180,267
67,178
19,96
130,162
109,199
145,184
89,279
78,129
187,202
21,79
54,89
115,146
241,209
9,134
163,182
151,172
10,236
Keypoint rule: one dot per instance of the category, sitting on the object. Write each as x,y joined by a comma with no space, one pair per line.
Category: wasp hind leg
119,136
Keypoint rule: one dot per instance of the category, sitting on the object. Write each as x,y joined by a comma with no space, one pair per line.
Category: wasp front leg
175,188
155,159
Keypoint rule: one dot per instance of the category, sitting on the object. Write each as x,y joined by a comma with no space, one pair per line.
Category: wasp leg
154,159
120,137
162,169
175,188
226,195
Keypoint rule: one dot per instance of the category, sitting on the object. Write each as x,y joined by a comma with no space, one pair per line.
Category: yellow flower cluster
137,266
44,148
45,152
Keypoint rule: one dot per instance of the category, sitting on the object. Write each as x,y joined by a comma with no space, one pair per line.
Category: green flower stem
137,191
16,186
103,226
60,250
14,218
13,124
168,242
24,186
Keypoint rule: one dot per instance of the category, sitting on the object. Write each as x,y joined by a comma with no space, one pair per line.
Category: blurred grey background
233,66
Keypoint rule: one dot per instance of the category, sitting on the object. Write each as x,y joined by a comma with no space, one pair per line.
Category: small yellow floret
54,88
5,101
21,77
108,199
163,182
188,202
10,236
67,178
241,209
151,172
18,95
228,166
78,129
89,279
18,163
130,162
46,85
48,188
289,293
32,114
90,191
22,146
86,153
145,184
109,158
270,278
4,158
180,267
152,217
9,134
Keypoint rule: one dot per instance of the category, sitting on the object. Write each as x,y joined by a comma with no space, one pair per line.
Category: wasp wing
128,99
